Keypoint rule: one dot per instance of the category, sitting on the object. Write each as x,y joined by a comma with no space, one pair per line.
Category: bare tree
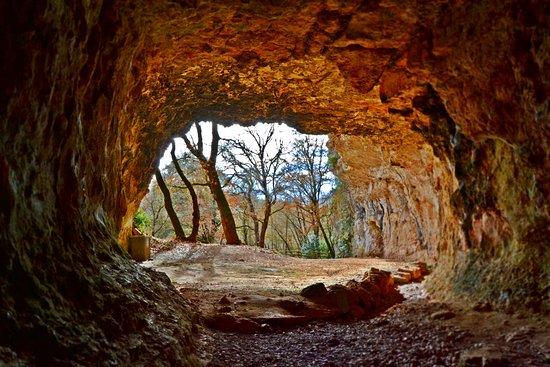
243,185
153,205
209,167
311,174
257,172
178,229
194,199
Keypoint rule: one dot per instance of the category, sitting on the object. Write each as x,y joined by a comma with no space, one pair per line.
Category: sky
282,132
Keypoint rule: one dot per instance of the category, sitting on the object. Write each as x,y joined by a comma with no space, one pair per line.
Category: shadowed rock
375,293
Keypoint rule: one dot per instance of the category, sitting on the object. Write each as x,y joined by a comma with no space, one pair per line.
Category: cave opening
269,173
296,259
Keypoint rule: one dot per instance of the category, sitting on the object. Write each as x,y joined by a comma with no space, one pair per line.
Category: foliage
341,220
344,237
332,159
311,248
314,248
142,221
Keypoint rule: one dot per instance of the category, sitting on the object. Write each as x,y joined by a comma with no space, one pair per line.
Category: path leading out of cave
236,269
224,281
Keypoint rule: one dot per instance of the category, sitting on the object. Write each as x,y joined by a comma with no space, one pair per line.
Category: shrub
142,221
311,247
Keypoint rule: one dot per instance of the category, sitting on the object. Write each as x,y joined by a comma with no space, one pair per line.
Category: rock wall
402,182
401,193
70,295
449,99
495,88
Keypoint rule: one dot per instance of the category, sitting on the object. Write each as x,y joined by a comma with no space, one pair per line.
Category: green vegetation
142,221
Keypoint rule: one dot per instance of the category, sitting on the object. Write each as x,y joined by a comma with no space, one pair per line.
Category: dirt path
418,332
237,286
237,269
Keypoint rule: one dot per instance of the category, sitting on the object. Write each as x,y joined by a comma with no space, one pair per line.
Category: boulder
376,292
337,296
363,298
314,291
227,322
415,273
405,275
357,311
400,280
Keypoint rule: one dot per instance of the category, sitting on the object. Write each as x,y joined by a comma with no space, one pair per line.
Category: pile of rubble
376,292
373,294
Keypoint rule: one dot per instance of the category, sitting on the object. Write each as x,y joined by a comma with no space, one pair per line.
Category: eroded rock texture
448,102
69,293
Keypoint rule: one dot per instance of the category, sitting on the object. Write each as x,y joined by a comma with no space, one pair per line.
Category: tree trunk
319,226
263,230
228,222
194,200
315,218
254,217
244,226
178,229
330,246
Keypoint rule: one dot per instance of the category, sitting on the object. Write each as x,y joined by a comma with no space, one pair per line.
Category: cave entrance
277,192
277,186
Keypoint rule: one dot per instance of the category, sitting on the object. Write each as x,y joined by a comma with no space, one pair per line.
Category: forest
266,185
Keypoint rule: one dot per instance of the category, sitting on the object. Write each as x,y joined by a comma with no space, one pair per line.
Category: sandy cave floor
418,332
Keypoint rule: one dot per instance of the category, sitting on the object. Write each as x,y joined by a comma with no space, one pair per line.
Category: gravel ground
407,335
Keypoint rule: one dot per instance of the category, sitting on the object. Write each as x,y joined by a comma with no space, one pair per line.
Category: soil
245,270
418,332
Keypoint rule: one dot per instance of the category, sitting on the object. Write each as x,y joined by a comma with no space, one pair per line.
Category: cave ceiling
342,67
321,67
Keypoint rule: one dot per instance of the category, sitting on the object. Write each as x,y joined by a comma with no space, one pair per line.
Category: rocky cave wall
69,293
401,193
449,99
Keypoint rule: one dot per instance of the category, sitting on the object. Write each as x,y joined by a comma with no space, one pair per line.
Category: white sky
282,132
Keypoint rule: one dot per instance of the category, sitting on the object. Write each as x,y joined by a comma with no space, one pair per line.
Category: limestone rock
375,293
400,279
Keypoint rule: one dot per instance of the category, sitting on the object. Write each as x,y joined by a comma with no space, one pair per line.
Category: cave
438,110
